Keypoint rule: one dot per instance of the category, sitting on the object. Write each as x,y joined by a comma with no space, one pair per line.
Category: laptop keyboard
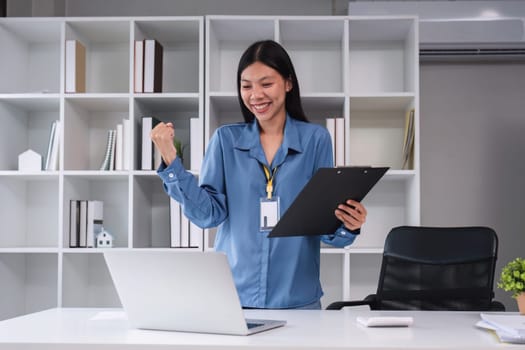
253,325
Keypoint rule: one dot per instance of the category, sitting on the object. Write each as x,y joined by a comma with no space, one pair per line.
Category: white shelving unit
364,69
37,267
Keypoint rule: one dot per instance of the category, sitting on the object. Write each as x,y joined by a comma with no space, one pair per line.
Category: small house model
29,161
104,239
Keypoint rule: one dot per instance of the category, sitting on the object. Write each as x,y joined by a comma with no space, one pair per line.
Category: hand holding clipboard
312,212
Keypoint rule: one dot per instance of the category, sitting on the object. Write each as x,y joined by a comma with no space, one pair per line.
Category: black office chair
435,268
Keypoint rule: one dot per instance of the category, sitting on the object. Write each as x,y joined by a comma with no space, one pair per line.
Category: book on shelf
95,221
53,147
408,143
75,67
196,143
108,162
49,145
153,65
74,223
119,147
126,142
336,129
148,151
184,231
175,222
82,232
138,61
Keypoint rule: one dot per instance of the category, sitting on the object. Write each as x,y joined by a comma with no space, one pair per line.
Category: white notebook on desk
180,291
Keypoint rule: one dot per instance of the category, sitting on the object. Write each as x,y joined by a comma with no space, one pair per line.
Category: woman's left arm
352,214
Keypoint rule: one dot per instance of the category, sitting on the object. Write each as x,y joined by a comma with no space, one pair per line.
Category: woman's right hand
162,136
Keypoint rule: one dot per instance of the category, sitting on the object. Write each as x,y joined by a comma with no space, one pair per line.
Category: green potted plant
179,147
512,279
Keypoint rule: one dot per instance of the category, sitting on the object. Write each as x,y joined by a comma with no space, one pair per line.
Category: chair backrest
437,268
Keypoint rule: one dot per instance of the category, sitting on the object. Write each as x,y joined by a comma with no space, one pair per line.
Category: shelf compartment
377,129
319,107
182,44
30,60
112,190
316,47
388,205
364,275
86,281
86,124
151,213
26,124
175,109
107,44
228,38
383,55
29,210
222,109
331,277
29,283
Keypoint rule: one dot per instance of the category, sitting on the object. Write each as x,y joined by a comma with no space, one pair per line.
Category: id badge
269,213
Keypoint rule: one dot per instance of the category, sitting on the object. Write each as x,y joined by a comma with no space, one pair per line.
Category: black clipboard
312,212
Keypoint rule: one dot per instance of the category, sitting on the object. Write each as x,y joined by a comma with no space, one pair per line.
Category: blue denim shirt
268,272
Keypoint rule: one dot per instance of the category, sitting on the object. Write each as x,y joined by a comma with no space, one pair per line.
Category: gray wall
473,151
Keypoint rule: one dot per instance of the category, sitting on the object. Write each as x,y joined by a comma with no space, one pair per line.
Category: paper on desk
386,321
509,328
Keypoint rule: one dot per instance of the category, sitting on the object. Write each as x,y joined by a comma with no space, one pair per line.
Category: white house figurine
29,161
104,239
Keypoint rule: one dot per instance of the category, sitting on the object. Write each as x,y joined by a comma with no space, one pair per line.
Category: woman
256,166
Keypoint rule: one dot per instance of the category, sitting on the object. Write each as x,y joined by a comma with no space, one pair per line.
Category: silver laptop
180,291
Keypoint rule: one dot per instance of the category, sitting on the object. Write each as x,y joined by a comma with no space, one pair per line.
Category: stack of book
118,148
184,233
86,218
148,62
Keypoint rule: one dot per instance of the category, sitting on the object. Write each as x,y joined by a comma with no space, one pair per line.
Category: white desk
311,329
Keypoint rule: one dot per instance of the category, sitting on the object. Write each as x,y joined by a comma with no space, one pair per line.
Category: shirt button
170,175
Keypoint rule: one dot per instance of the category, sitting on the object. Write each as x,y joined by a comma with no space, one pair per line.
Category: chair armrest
338,305
496,306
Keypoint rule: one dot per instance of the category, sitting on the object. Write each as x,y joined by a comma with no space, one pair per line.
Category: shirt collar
249,140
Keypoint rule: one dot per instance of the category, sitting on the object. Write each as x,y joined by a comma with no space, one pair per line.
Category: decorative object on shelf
512,279
29,161
104,239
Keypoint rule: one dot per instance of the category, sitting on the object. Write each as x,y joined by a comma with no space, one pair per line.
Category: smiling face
263,91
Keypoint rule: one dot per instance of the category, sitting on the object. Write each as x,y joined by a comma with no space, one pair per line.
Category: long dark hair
273,55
